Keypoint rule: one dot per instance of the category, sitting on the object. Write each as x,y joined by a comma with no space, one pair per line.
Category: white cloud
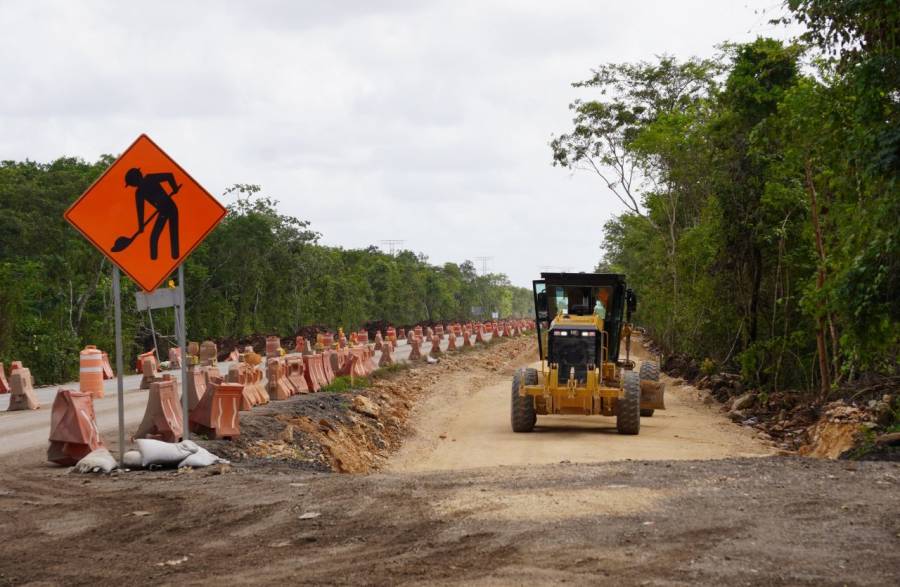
424,121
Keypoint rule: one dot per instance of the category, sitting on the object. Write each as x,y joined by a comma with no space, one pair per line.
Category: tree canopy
258,272
761,195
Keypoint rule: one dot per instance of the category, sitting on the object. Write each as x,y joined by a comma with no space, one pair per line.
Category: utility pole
392,244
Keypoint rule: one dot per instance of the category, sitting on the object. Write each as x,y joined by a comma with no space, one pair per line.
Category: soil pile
354,432
856,421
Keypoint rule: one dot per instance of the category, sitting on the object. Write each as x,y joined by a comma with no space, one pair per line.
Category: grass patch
383,372
342,384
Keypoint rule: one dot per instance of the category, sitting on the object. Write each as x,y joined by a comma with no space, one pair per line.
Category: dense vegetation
259,272
761,191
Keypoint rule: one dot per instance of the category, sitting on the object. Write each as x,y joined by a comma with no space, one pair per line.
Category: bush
708,366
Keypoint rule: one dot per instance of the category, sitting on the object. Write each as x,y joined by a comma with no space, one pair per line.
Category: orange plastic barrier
21,389
326,364
73,428
162,418
150,373
467,337
319,369
295,373
435,346
196,379
108,372
439,331
358,364
479,334
273,347
387,357
310,365
379,340
174,358
216,416
415,353
212,373
139,365
250,379
340,362
451,341
209,353
506,330
361,362
418,331
370,358
277,385
4,384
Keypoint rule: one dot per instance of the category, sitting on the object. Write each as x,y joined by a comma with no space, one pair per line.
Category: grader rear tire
628,408
649,372
522,414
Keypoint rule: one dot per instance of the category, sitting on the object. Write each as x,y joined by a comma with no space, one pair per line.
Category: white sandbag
202,458
132,459
97,461
157,452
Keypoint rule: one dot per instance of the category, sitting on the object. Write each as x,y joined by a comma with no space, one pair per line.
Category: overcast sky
427,122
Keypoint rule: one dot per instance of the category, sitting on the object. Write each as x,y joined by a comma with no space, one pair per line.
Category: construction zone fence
218,392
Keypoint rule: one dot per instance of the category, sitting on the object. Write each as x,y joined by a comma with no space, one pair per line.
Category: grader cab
583,323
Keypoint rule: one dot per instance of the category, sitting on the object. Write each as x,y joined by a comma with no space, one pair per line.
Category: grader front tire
628,408
649,372
522,414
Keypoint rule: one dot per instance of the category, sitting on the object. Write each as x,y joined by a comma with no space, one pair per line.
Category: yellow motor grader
582,320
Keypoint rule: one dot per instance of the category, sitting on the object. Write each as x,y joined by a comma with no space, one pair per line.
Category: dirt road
454,427
760,521
722,519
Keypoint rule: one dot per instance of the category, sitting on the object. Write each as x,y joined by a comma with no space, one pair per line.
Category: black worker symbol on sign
149,188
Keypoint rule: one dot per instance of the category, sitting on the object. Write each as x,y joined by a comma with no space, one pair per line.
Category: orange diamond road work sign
145,213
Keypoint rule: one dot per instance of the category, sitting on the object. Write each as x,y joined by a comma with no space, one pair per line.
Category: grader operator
582,320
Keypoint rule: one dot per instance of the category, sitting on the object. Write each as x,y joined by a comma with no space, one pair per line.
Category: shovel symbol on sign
149,188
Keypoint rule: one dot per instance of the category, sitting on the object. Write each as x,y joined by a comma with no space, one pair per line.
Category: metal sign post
182,343
120,367
140,189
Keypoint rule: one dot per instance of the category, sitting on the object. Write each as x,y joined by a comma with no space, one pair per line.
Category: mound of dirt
354,432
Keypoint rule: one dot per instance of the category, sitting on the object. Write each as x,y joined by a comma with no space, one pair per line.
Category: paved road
29,429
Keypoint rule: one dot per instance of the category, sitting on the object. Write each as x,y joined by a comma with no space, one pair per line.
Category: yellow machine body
602,387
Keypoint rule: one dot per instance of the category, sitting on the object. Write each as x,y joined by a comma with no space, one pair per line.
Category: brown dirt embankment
355,432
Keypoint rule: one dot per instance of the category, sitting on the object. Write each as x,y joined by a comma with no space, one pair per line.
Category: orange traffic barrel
90,376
